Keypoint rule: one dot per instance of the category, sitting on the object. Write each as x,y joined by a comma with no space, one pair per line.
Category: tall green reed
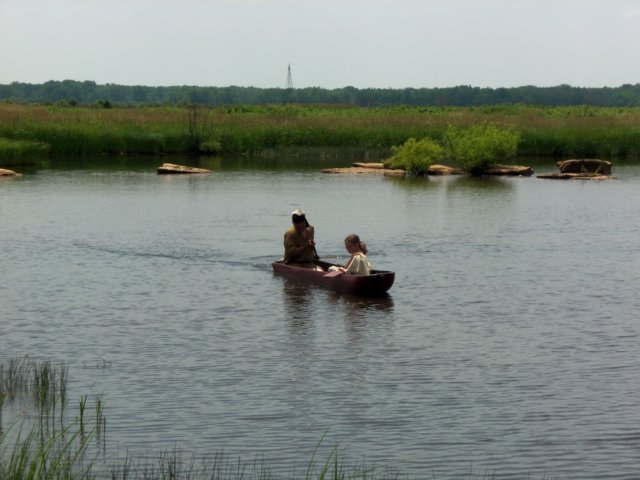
56,455
559,131
2,398
12,150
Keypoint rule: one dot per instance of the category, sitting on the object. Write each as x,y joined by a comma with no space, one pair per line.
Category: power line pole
288,93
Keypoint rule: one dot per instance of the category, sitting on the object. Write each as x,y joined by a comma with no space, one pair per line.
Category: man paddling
299,245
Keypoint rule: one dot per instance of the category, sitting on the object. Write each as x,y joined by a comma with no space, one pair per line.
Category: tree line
71,92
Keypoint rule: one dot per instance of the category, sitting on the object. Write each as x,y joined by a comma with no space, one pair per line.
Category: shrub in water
477,147
415,156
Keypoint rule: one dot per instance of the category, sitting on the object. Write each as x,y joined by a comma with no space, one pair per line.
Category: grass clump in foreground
176,465
38,455
65,455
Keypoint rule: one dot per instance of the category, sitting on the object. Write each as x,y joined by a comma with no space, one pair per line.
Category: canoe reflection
359,305
303,300
298,302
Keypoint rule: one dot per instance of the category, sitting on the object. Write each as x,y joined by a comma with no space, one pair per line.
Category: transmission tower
288,93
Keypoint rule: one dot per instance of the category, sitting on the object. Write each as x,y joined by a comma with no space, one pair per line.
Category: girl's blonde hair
354,239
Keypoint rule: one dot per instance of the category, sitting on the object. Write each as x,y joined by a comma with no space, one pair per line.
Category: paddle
315,253
335,273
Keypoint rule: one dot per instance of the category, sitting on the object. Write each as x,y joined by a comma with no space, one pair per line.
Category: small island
173,169
581,169
8,173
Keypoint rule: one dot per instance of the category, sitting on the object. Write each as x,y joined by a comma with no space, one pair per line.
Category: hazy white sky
329,43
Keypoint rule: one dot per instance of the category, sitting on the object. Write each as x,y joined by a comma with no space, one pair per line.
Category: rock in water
355,170
511,170
575,176
172,168
601,167
368,165
443,170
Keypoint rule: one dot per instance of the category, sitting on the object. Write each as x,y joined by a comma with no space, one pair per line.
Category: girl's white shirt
359,264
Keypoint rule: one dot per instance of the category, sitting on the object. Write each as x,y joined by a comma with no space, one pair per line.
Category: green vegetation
477,147
415,156
581,132
20,149
474,148
49,450
50,455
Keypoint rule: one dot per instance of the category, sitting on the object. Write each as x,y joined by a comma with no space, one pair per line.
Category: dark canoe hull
376,284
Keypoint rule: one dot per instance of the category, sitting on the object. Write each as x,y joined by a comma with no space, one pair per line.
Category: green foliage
14,149
212,146
560,131
415,156
477,147
104,103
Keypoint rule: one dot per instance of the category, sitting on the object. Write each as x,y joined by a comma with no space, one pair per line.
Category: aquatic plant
62,389
14,376
2,398
83,405
41,382
57,455
12,150
101,421
475,148
415,156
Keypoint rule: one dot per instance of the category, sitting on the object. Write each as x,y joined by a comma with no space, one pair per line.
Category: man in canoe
299,245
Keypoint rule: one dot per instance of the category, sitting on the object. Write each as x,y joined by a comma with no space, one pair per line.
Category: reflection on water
452,183
411,182
298,296
481,185
361,306
298,301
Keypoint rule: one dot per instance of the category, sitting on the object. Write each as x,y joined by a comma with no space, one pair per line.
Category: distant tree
88,92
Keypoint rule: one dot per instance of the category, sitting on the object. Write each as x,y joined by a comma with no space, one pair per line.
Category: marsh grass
556,131
41,379
13,150
15,376
57,455
176,464
2,398
44,384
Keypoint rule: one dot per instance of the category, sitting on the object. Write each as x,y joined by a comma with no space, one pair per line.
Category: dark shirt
293,241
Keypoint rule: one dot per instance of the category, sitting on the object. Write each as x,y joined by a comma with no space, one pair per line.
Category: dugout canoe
376,284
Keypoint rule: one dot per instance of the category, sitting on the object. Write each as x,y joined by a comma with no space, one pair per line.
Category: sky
328,43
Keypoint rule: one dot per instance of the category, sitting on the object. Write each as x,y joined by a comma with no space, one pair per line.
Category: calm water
509,344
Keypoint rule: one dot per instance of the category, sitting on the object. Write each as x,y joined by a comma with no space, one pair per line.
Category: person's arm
348,265
291,250
358,265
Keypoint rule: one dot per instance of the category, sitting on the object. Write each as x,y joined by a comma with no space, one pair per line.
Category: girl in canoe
358,264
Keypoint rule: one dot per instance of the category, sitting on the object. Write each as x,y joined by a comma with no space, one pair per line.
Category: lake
508,345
